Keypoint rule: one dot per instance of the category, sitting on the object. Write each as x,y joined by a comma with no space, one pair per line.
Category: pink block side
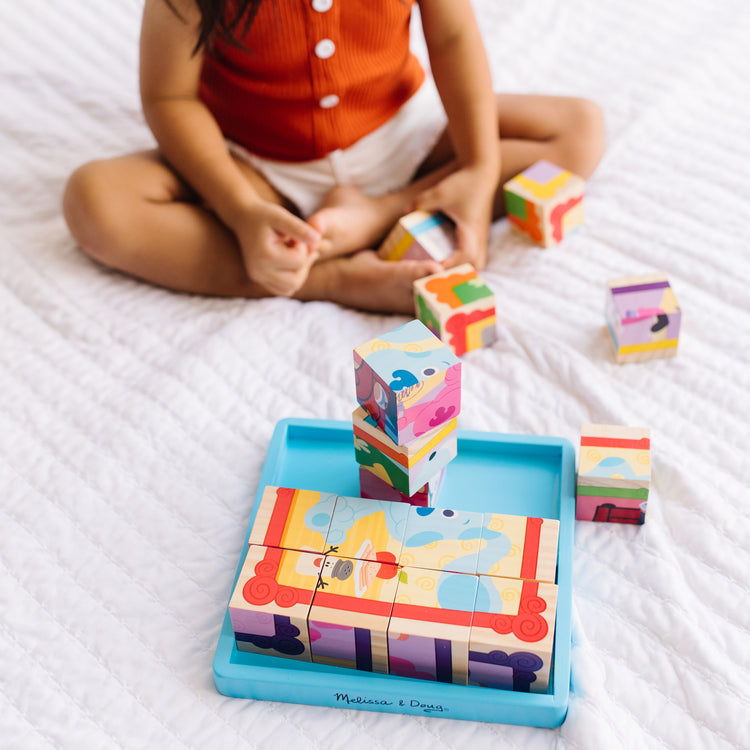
632,511
373,487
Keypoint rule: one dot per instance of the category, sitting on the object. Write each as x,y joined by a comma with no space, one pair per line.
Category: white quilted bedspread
134,422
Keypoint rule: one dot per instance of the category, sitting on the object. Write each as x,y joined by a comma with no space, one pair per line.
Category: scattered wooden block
614,474
643,317
545,202
519,547
271,601
282,519
373,486
408,468
512,634
420,235
458,307
408,381
428,635
350,612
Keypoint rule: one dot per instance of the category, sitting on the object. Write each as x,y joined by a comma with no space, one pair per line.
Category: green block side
515,205
366,455
471,291
426,316
640,494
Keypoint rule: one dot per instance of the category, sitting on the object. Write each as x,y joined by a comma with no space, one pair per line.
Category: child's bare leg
134,214
365,281
567,131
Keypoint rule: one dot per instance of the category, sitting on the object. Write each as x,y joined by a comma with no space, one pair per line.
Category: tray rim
364,690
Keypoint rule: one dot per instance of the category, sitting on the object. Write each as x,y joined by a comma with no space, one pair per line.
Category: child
292,135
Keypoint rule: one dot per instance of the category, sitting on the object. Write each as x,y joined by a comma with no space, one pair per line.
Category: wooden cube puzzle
614,474
428,635
350,612
512,634
431,616
271,601
545,202
366,529
408,381
643,317
458,307
420,235
409,467
519,547
282,519
442,539
496,544
373,486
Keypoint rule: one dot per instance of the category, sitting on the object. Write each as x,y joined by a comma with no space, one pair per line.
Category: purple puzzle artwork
643,317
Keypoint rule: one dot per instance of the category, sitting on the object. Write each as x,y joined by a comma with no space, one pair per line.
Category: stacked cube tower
408,386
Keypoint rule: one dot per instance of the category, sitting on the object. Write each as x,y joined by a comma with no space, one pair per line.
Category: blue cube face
399,373
407,356
442,539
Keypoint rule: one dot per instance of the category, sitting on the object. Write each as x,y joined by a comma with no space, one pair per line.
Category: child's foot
367,282
349,220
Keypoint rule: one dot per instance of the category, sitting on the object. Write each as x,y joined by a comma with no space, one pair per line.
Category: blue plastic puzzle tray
532,476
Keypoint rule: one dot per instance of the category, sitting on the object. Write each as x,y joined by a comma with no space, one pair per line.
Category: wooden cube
442,539
372,485
408,467
428,635
420,235
408,381
512,634
283,516
614,474
643,317
271,601
545,202
458,307
367,529
348,620
519,547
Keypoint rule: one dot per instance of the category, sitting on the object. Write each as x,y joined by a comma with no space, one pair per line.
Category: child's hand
466,197
278,248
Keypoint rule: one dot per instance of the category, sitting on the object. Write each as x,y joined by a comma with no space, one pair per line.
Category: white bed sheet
134,422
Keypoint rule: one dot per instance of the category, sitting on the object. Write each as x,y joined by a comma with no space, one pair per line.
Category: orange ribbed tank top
312,76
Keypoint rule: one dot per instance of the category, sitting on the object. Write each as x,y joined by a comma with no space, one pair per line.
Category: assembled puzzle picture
401,589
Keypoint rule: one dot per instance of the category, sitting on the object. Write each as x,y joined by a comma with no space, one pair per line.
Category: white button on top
329,101
322,5
324,49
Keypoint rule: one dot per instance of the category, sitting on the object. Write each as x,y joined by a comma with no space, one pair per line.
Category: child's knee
586,135
90,207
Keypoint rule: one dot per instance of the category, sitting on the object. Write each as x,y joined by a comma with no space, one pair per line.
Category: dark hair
222,17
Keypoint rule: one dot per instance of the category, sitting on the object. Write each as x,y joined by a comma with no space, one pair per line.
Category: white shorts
380,162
